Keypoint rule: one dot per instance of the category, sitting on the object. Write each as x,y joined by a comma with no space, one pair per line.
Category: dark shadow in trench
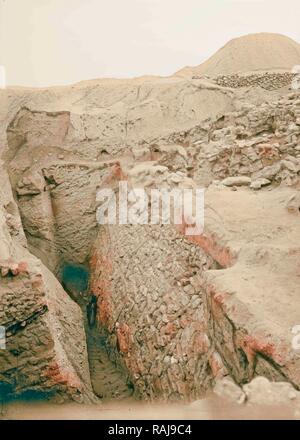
75,281
108,381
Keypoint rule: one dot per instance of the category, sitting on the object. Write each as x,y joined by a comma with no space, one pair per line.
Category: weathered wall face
182,312
36,129
249,318
59,218
45,346
45,349
244,354
107,117
148,281
56,190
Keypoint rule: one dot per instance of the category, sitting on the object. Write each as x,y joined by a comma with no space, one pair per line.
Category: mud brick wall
267,81
150,298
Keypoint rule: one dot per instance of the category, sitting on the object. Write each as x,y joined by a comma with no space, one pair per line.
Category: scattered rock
293,203
261,391
228,389
259,183
237,181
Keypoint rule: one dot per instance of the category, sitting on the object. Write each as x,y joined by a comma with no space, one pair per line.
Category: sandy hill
253,52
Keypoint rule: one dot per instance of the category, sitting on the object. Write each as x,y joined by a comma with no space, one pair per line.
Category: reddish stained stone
252,345
14,269
23,267
201,343
198,325
170,328
219,297
100,284
183,388
134,366
118,172
93,261
104,309
185,321
115,174
216,364
124,338
61,376
267,150
209,244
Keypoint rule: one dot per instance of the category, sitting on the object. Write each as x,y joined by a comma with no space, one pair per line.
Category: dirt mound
254,52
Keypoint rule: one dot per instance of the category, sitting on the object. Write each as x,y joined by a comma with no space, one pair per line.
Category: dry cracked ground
177,315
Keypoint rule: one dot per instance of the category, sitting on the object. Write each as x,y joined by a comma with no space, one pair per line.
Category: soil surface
207,409
108,381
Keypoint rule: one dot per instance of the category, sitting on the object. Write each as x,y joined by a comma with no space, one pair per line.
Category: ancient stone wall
267,81
150,297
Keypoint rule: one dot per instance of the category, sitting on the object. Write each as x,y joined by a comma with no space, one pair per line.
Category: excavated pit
109,381
175,314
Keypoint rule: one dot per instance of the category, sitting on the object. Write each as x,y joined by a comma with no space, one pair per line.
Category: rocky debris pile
261,142
154,175
173,156
258,142
133,302
244,181
262,393
267,81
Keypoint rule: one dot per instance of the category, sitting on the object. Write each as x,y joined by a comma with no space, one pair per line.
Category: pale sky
52,42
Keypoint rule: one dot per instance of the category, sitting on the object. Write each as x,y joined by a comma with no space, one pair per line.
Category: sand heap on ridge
254,52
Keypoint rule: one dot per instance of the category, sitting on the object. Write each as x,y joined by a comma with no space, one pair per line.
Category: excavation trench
161,322
57,208
109,381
